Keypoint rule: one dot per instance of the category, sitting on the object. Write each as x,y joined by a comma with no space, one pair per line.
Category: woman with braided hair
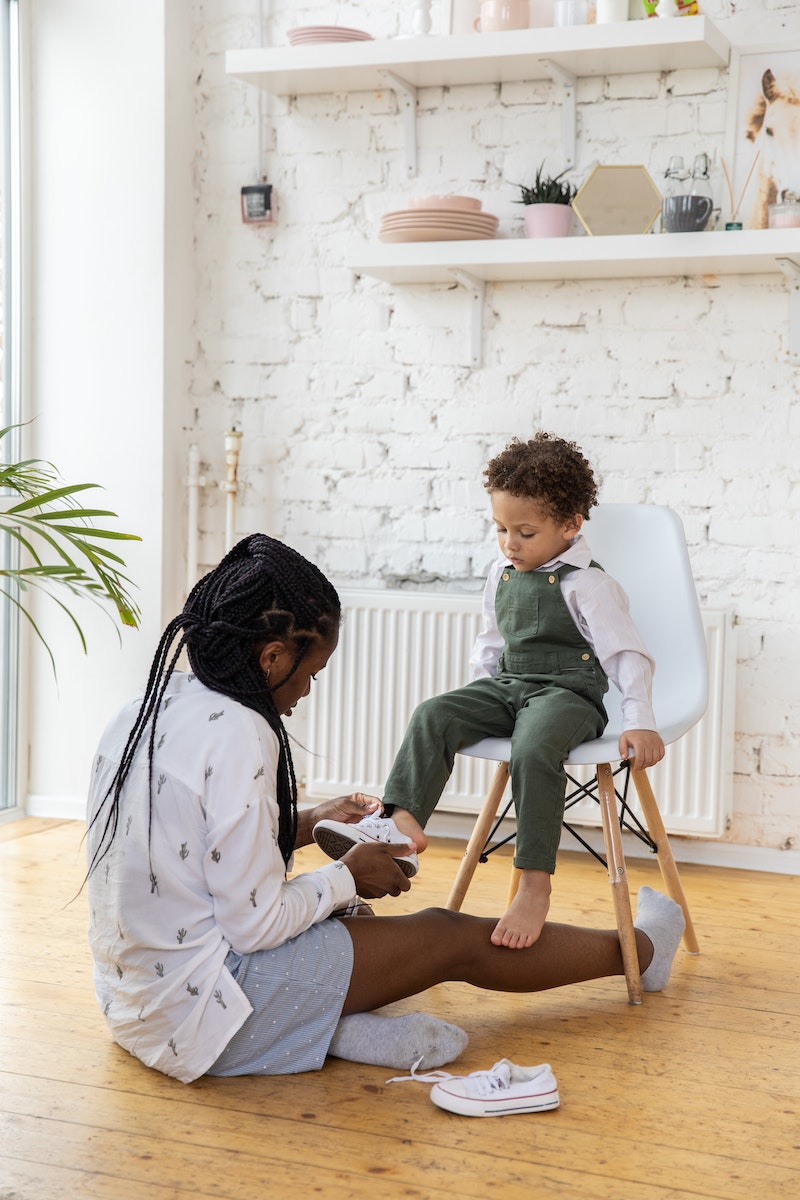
208,957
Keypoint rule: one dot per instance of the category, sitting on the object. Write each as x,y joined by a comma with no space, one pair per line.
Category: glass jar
785,215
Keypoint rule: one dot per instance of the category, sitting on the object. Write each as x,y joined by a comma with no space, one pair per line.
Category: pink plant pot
548,220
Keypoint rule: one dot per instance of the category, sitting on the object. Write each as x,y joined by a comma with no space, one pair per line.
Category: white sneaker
337,837
504,1090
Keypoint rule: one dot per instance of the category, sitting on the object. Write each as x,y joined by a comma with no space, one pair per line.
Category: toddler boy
555,628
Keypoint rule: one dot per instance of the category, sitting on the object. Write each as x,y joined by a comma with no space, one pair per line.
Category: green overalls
547,696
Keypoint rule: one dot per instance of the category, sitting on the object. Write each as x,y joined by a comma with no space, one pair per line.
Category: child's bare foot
410,828
522,923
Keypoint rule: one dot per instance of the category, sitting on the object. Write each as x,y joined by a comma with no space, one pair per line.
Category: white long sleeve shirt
599,608
161,924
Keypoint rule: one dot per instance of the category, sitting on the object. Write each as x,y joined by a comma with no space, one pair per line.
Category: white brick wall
365,435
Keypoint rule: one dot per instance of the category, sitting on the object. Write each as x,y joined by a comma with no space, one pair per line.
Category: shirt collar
577,554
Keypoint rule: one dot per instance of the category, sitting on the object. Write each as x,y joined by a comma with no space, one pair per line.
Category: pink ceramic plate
427,214
460,203
327,33
429,220
432,235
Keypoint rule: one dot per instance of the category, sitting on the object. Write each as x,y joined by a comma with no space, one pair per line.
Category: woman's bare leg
396,957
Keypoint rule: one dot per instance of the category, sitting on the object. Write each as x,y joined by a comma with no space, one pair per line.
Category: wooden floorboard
695,1094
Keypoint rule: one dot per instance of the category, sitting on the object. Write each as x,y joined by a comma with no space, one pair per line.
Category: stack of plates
439,219
308,35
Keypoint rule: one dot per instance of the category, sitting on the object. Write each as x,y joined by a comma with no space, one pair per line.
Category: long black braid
261,590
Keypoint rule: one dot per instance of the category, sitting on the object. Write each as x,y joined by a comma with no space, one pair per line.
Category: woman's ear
270,654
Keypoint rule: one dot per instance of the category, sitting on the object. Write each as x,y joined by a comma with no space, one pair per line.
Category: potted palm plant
53,544
548,204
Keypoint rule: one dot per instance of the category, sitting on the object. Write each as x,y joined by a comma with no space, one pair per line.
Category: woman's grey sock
663,922
397,1041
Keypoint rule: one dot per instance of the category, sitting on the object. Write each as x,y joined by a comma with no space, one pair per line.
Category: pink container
785,216
548,220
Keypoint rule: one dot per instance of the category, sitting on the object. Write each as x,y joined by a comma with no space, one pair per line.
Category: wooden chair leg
618,878
669,871
477,841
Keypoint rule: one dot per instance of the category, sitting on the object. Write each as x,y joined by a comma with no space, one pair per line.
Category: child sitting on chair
555,627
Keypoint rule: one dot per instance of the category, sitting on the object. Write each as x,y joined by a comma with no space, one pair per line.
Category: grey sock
662,920
397,1041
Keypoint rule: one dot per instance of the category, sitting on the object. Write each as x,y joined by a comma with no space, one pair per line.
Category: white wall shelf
522,54
508,260
514,260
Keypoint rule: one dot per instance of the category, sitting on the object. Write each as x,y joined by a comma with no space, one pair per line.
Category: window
10,407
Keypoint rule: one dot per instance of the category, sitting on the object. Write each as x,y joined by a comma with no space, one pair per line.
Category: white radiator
397,648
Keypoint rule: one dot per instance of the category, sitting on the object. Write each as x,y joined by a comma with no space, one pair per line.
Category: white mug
502,14
611,11
571,12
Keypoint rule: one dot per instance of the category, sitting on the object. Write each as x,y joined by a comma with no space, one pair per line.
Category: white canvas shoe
501,1092
337,837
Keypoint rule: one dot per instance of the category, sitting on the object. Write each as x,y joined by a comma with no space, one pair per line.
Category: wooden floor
695,1094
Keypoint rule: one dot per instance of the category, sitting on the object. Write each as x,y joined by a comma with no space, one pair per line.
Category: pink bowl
458,203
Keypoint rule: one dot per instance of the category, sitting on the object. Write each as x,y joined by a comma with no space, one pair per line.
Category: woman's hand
347,808
373,867
344,808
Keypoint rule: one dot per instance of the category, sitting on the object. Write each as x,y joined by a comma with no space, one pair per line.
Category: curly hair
547,470
261,589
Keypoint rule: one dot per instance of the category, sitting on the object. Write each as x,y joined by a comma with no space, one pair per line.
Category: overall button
506,577
586,657
551,579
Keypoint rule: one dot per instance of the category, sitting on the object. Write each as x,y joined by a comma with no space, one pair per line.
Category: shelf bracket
569,118
791,270
407,99
476,289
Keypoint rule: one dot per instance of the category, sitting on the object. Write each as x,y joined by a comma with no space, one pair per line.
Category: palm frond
60,544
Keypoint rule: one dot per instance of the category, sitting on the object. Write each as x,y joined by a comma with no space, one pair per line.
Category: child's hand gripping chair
644,548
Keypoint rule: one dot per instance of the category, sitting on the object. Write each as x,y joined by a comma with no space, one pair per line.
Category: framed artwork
762,155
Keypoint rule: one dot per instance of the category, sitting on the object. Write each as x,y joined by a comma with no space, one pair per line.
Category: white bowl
458,203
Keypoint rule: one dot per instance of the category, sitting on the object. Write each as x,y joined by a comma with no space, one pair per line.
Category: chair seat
599,750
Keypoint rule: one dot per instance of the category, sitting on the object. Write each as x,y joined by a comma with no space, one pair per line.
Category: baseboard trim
66,808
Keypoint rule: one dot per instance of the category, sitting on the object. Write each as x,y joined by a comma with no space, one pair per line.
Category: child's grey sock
397,1041
663,922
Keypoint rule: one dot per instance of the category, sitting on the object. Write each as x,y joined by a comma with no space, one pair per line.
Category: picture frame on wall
762,145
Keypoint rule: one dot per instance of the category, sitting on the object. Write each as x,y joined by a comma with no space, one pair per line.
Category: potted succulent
50,541
548,205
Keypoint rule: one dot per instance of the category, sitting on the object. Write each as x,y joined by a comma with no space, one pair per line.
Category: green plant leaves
547,189
59,544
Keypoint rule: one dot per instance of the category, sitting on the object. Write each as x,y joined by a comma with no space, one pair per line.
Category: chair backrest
643,546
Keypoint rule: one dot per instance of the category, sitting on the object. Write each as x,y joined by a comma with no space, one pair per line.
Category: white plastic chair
644,548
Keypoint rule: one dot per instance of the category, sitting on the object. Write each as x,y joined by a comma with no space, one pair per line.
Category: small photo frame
762,146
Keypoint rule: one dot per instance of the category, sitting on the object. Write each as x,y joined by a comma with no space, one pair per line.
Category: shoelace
418,1077
378,828
487,1081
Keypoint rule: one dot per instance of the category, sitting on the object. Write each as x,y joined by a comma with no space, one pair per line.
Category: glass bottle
701,189
674,189
675,176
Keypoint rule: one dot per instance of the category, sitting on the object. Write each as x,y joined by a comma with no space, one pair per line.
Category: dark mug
686,214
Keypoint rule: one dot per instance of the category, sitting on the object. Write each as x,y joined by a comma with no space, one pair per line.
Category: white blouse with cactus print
162,921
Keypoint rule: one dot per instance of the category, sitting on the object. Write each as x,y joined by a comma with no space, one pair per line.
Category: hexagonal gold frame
617,200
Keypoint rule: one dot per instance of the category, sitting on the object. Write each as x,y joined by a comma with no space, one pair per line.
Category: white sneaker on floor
503,1091
337,837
